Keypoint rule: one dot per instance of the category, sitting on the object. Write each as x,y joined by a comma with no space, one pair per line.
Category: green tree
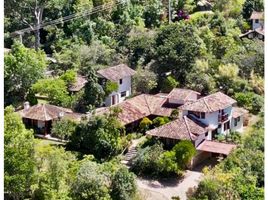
152,13
144,81
54,89
54,173
184,152
69,77
91,183
63,129
18,156
123,185
94,94
23,67
178,45
99,136
110,87
168,84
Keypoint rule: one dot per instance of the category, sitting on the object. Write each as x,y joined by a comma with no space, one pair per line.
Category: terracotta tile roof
46,112
79,84
116,72
180,129
210,103
237,112
181,94
257,15
139,107
216,147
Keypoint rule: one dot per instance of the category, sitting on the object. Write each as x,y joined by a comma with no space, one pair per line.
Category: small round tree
184,152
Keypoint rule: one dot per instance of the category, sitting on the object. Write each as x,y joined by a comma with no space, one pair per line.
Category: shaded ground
168,188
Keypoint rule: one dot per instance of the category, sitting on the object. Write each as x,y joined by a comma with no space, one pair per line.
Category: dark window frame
120,81
125,92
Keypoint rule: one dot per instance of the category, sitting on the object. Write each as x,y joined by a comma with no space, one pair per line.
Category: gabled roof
184,128
210,103
139,107
116,72
257,15
181,94
46,112
79,84
237,112
216,147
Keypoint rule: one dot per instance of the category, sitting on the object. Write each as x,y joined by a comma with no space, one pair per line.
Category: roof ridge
207,104
45,111
147,104
187,126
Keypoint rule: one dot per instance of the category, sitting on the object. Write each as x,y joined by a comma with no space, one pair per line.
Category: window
206,134
256,21
120,81
227,126
238,119
123,94
203,115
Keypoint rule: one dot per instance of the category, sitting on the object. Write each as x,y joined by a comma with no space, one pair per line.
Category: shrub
184,152
146,160
250,101
167,164
145,124
110,87
168,84
159,121
63,129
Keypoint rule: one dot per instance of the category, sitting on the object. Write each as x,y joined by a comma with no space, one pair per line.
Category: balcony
224,117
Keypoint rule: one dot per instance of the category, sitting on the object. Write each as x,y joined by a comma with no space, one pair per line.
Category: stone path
132,151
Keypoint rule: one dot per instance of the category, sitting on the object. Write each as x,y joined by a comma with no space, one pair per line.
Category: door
113,99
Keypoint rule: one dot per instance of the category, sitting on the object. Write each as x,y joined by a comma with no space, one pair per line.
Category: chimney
26,105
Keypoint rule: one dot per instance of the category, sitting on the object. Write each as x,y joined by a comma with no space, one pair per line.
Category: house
179,96
257,19
217,111
41,116
202,120
257,26
120,74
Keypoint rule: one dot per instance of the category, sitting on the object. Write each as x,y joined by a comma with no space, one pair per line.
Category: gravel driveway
169,187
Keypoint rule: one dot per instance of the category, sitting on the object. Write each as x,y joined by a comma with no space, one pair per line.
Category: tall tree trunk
38,18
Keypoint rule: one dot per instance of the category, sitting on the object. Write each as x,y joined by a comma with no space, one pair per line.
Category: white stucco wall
239,127
125,86
257,25
211,119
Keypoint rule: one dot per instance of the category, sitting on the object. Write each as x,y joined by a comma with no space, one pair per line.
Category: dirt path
171,187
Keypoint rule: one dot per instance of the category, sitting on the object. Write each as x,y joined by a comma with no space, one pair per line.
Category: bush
167,164
168,84
63,129
145,124
146,160
159,121
250,101
184,152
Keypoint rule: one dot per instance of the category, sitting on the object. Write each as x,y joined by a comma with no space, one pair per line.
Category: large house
41,116
201,121
120,74
257,26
